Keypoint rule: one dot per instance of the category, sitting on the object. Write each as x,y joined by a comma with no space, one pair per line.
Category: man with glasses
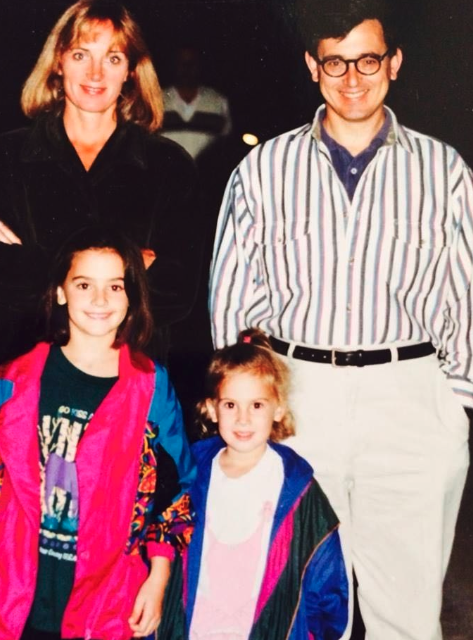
349,241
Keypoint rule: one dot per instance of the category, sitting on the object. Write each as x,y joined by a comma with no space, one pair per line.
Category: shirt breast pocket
283,264
414,262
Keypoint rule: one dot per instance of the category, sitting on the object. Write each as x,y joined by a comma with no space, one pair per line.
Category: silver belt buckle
334,357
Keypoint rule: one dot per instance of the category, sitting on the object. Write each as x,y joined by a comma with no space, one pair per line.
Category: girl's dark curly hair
251,354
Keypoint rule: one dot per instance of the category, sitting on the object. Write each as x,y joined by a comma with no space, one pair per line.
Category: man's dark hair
321,19
137,327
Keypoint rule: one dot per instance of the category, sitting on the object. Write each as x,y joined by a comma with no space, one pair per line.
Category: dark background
251,53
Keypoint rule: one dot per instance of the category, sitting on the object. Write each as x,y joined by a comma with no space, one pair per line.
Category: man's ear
395,64
61,296
313,67
211,409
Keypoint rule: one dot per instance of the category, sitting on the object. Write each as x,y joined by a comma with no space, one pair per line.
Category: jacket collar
27,369
47,141
297,474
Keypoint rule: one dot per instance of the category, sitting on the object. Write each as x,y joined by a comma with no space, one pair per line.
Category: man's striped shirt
295,257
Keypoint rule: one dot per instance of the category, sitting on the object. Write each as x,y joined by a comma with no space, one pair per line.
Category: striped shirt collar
395,133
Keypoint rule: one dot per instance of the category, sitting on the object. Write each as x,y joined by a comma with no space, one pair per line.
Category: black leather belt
358,358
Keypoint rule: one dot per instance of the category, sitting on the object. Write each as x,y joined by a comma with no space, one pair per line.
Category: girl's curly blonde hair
251,354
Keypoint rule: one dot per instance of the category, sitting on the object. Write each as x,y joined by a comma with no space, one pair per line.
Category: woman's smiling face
94,70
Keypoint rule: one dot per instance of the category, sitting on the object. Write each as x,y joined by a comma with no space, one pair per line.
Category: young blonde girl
94,463
265,560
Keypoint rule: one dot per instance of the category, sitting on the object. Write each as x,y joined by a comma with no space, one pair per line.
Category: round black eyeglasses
367,64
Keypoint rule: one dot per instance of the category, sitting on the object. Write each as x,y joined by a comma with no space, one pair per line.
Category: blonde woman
92,155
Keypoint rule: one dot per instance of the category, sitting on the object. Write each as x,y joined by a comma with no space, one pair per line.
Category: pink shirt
239,517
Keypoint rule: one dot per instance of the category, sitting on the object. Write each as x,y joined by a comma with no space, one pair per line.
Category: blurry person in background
92,155
198,118
195,116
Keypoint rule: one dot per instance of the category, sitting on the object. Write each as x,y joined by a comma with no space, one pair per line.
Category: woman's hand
146,613
7,236
148,257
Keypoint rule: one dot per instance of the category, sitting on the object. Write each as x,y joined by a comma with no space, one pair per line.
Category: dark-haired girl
94,463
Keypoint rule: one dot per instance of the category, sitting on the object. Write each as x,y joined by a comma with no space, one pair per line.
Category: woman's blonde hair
140,101
251,354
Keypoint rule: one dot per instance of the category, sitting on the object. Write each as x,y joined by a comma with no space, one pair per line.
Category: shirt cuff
160,549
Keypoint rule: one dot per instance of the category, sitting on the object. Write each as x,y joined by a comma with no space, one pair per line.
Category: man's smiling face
355,97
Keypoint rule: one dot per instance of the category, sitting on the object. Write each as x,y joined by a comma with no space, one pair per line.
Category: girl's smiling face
245,410
94,291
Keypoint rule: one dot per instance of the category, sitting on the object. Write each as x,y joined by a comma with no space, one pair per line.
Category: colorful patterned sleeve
167,469
172,529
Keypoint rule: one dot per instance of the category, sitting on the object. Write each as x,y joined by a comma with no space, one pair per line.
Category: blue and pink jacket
123,519
304,594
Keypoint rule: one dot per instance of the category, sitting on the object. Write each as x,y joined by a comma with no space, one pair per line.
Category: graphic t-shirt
68,399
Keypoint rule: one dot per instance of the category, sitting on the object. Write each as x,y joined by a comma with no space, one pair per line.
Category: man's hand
469,413
7,236
146,613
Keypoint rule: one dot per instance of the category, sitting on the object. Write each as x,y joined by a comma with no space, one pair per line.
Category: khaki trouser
388,444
